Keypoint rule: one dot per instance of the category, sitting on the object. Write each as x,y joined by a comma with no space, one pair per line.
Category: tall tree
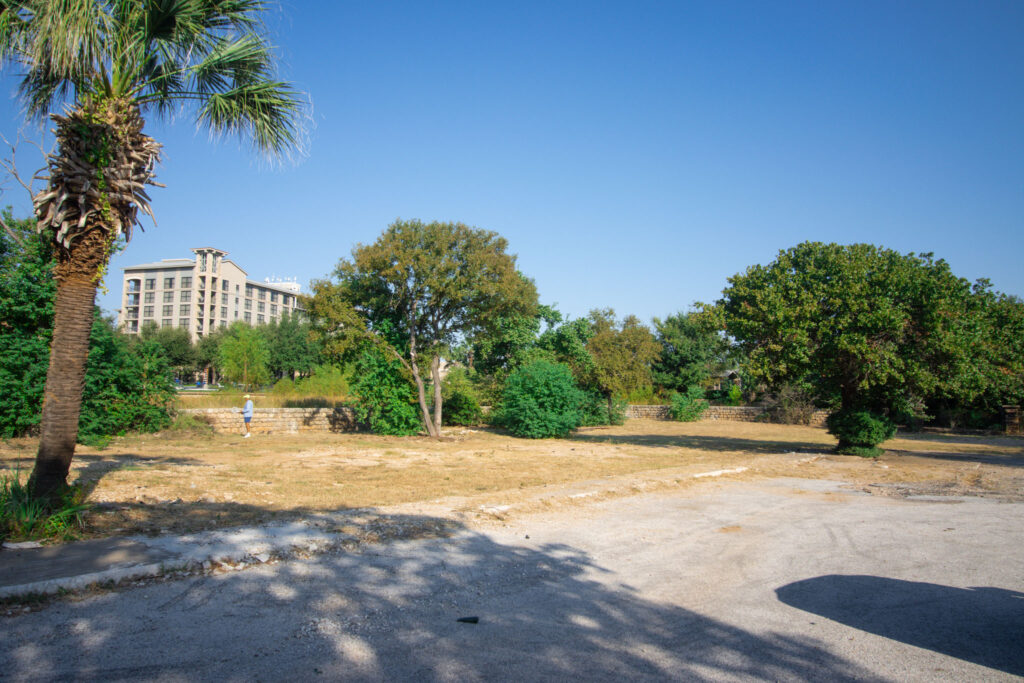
866,328
417,291
622,353
113,61
692,350
244,356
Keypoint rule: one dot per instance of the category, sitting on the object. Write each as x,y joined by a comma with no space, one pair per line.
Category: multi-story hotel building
200,295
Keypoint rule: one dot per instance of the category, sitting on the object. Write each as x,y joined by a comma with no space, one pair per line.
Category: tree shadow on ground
391,613
979,625
705,443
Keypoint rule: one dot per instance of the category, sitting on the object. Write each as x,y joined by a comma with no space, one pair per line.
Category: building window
168,311
223,298
261,307
134,285
168,297
149,297
236,302
168,283
133,299
166,322
133,326
260,319
223,323
223,311
263,295
286,299
248,290
202,263
151,283
183,309
183,323
248,318
236,315
224,285
248,304
273,309
147,311
186,282
273,297
185,296
236,289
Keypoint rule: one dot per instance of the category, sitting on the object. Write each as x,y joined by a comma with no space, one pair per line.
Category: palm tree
110,62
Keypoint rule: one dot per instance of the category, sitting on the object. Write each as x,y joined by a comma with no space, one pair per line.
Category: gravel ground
782,579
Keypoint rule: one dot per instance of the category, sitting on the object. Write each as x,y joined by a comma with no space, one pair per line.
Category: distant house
200,295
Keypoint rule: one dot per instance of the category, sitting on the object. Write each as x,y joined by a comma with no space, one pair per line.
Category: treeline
434,321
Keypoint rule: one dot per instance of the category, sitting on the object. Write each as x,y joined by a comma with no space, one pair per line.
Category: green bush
541,401
385,400
460,404
594,410
24,517
734,396
859,432
126,389
689,405
187,423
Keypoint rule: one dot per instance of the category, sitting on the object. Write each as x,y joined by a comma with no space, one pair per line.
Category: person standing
247,415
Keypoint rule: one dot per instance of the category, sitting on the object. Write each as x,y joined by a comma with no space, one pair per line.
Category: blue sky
634,154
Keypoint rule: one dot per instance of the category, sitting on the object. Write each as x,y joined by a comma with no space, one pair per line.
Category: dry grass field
164,482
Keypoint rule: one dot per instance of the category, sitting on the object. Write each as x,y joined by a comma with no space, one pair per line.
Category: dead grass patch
188,483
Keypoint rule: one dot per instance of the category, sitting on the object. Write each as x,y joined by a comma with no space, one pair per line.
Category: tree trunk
420,391
611,420
76,275
435,374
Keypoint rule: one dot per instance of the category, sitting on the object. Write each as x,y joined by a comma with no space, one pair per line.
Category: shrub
734,396
791,405
594,410
385,399
460,406
24,517
541,401
859,432
690,405
187,423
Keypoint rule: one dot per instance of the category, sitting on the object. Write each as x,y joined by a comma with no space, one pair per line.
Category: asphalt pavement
773,580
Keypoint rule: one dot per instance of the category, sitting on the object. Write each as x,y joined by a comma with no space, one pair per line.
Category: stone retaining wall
295,420
729,413
277,420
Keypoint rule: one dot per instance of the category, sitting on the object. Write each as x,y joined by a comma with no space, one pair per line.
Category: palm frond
266,111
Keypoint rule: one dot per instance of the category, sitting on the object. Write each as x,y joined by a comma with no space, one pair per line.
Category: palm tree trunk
76,275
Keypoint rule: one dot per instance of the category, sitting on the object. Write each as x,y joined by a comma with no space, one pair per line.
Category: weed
25,517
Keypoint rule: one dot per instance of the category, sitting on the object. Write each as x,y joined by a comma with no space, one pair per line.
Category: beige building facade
201,294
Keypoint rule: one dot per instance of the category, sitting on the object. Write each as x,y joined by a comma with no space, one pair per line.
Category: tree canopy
420,289
862,326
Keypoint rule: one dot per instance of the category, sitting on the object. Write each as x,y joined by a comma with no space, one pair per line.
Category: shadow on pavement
391,612
979,625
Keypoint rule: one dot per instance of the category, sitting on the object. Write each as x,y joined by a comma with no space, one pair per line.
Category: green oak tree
693,350
418,291
863,327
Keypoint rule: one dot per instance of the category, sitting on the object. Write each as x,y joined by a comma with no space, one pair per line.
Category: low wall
728,413
277,420
295,420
